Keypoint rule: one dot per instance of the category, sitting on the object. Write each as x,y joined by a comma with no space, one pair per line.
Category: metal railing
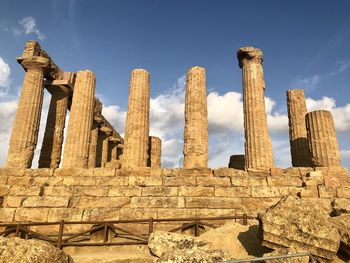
62,239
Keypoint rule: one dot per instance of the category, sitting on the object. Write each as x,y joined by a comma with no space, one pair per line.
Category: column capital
33,62
249,54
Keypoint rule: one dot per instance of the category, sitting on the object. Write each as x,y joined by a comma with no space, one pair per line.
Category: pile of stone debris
291,226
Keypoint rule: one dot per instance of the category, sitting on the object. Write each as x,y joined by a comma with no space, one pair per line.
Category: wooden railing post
196,229
17,230
105,233
150,226
245,219
60,234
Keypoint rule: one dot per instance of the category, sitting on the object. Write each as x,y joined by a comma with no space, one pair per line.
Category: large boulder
342,223
15,250
302,225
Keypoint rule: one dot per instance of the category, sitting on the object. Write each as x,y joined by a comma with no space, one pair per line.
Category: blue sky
305,45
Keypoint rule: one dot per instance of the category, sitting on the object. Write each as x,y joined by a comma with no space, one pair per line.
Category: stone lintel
249,53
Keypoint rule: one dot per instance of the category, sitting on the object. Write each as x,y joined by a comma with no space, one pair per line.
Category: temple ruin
96,174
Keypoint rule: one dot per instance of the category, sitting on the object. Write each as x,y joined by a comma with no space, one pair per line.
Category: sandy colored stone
213,181
46,201
137,120
159,191
93,146
342,223
322,139
157,202
301,224
14,250
105,151
154,151
196,191
299,148
101,213
238,191
213,202
31,214
97,202
76,149
7,214
258,146
144,181
196,120
179,181
237,162
50,155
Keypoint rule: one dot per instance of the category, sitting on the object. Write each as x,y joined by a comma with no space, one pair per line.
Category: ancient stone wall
112,194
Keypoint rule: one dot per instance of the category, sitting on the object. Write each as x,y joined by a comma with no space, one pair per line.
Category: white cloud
309,83
28,26
5,80
345,153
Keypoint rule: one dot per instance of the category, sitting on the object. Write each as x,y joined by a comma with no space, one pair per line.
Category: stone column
51,149
196,120
154,151
93,146
25,129
113,150
322,139
258,146
104,157
76,148
137,120
297,129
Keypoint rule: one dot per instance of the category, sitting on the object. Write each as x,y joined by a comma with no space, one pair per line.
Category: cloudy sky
305,45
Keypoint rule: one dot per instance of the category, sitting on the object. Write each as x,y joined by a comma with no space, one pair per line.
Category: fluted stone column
76,148
24,136
113,150
322,139
137,120
104,157
196,120
258,146
154,151
50,155
93,146
297,129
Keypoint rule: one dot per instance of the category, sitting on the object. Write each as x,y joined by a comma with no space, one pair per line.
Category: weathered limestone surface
93,146
299,148
237,162
322,139
50,155
342,223
258,147
137,120
105,150
14,250
25,129
196,120
76,148
154,151
303,225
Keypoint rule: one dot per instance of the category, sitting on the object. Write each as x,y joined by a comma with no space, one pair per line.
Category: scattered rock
286,251
342,223
199,255
15,250
302,225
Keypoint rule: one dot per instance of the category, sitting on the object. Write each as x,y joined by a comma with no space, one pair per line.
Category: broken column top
197,68
139,71
249,53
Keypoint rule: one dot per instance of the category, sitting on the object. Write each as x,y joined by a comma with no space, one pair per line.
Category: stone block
46,181
241,180
112,181
16,180
159,191
31,214
333,170
326,192
314,180
255,205
100,214
275,171
213,202
7,214
67,214
125,191
104,171
11,172
90,191
266,191
176,213
195,172
13,201
73,172
284,181
258,172
136,171
297,171
3,180
213,181
156,171
228,172
171,172
314,173
179,181
26,190
309,191
144,181
4,190
46,201
137,213
236,191
157,202
46,172
79,180
93,202
204,212
332,181
58,191
343,192
196,191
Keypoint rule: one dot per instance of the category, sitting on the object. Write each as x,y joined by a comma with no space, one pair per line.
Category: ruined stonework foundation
296,105
137,120
196,120
258,146
322,139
